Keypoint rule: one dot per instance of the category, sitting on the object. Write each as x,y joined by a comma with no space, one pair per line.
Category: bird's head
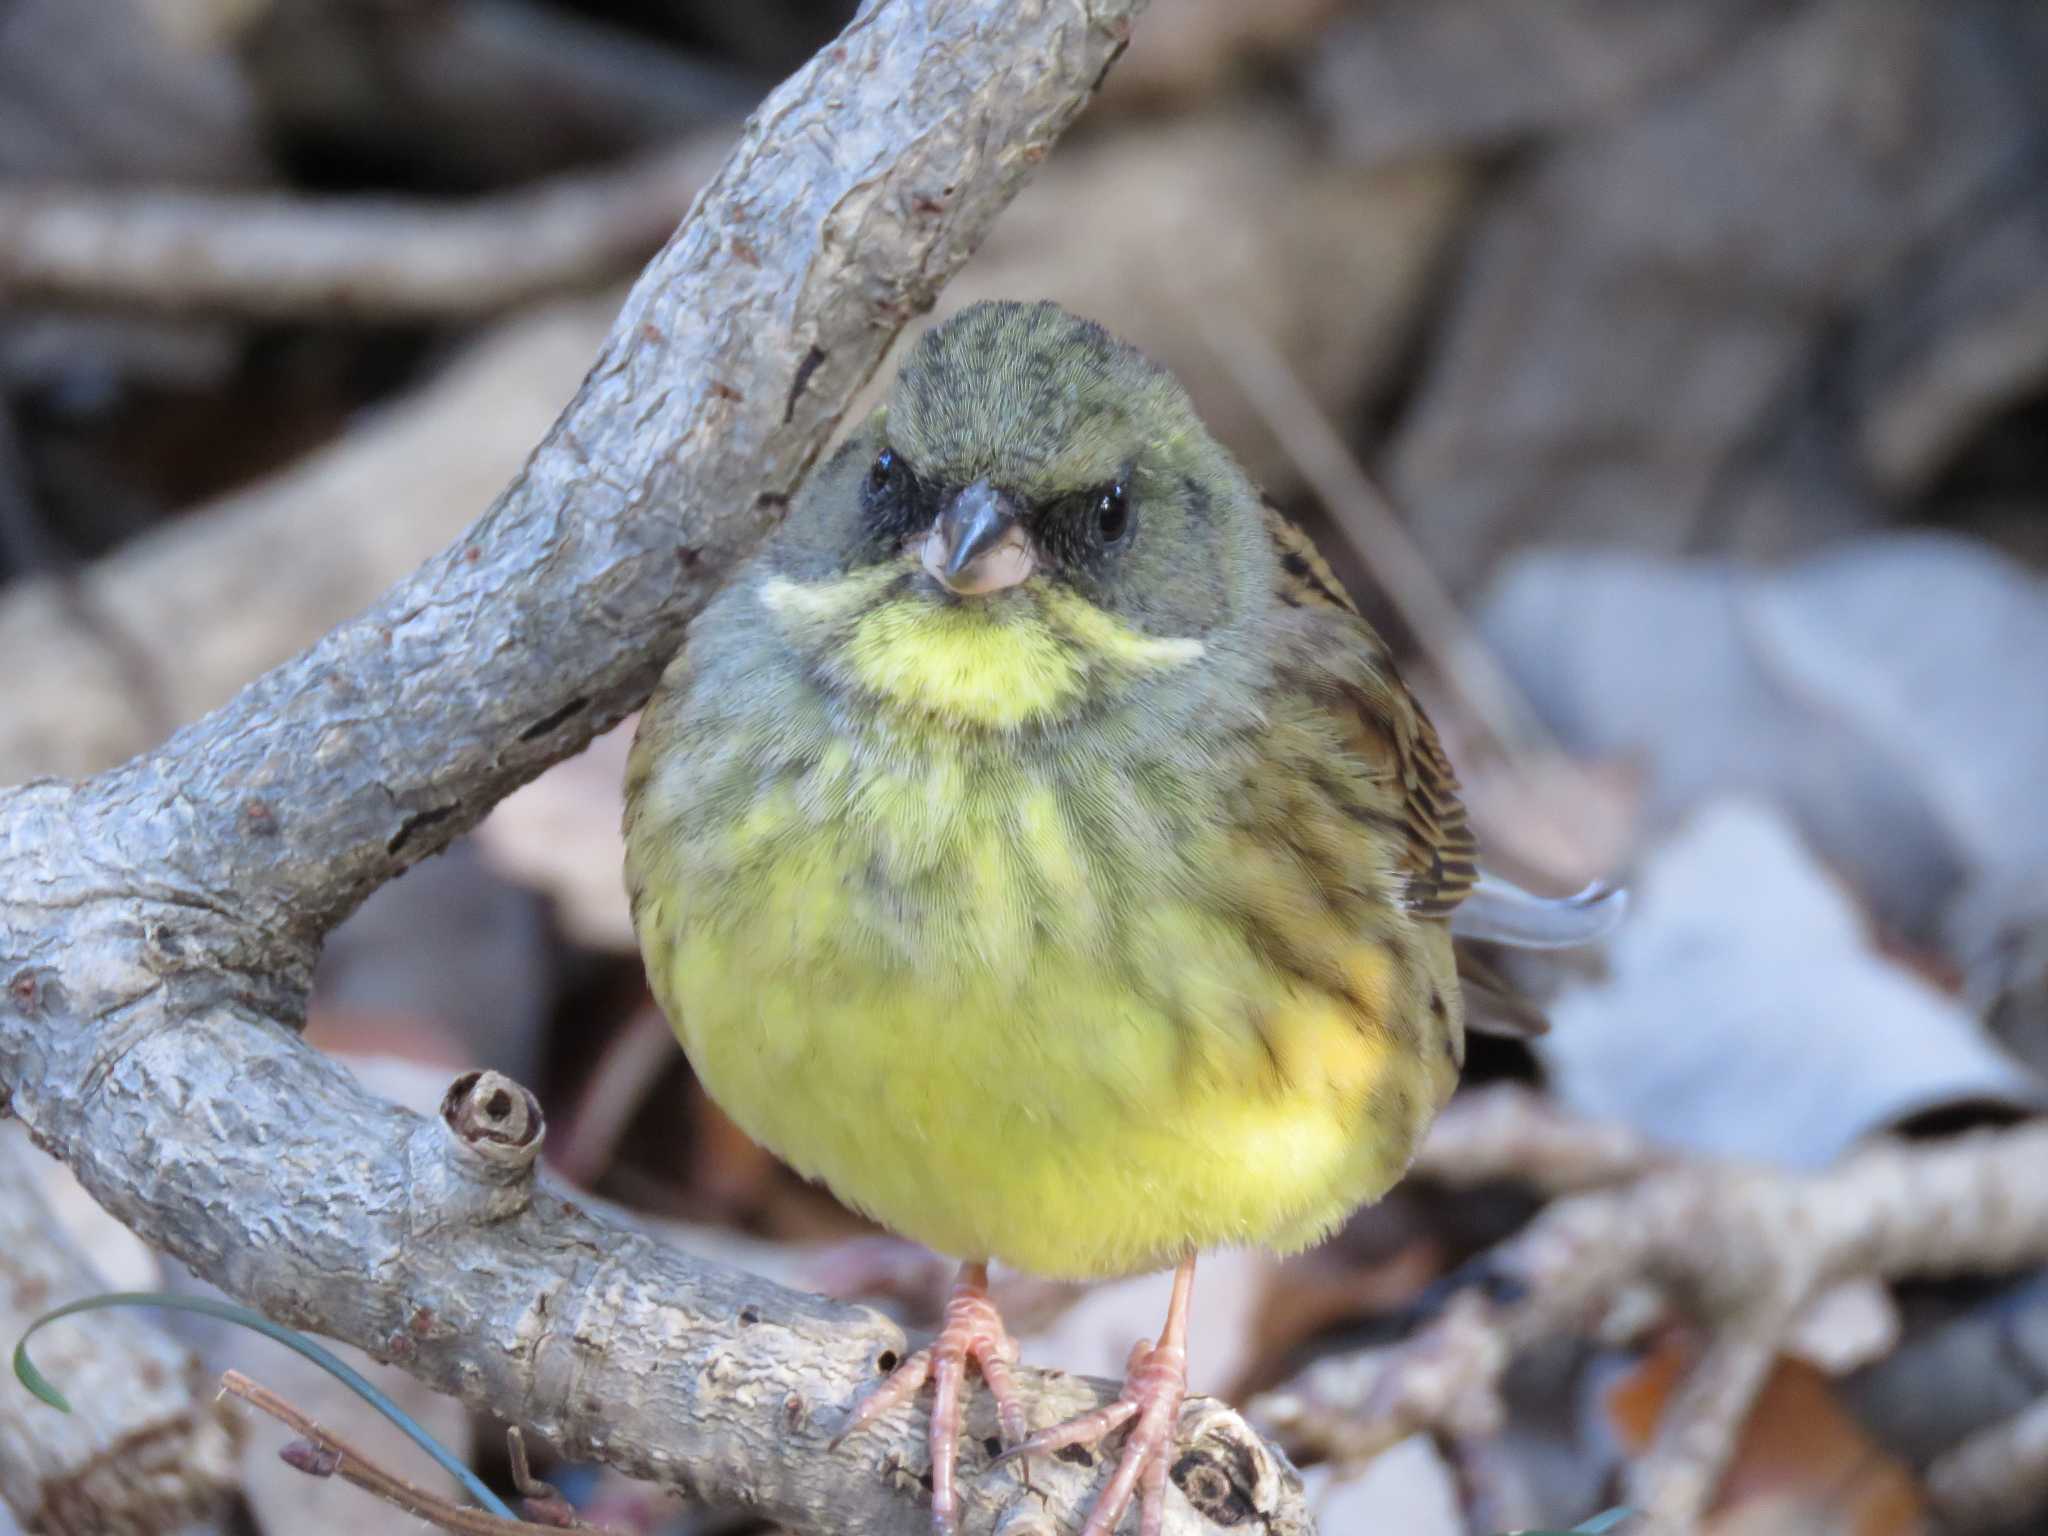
1037,519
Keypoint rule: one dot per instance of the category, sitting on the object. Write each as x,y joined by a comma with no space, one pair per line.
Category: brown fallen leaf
1802,1463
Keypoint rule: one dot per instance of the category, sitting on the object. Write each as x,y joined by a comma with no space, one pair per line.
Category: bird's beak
977,545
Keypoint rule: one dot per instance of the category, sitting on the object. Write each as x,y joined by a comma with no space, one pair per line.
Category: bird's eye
883,470
1112,513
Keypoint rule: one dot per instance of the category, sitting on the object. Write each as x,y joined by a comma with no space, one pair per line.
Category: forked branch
158,924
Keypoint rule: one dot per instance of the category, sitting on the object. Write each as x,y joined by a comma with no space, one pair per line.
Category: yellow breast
1077,1014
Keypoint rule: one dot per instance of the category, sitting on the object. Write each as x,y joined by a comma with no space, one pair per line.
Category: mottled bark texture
158,924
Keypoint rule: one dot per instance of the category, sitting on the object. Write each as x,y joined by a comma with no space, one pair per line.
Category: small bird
1034,844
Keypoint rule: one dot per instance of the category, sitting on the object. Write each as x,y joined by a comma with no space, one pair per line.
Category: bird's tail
1501,912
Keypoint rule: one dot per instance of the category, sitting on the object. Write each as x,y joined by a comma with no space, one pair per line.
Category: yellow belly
1077,1000
1056,1117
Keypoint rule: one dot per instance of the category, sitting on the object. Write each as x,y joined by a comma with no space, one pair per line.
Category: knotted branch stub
496,1120
478,1163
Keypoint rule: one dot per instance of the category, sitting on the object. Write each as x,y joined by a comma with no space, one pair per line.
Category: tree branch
1994,1476
158,924
320,1452
1508,1132
270,255
1745,1249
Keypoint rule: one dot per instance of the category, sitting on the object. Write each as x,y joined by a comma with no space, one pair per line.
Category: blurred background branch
275,256
1748,1251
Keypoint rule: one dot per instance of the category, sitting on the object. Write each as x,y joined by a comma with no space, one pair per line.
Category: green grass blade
231,1312
1605,1521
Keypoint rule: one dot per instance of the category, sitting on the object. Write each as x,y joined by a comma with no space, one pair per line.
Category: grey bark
158,924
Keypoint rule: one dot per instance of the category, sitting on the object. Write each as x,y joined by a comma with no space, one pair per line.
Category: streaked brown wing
1385,726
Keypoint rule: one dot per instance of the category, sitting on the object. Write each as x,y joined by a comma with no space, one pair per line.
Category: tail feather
1501,912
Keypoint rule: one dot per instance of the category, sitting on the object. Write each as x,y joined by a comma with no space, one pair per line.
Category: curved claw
900,1387
1150,1405
1084,1429
973,1330
1155,1386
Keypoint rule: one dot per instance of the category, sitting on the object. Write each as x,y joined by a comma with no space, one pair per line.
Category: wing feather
1381,722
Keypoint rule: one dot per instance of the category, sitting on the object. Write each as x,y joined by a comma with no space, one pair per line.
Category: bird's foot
1155,1386
972,1330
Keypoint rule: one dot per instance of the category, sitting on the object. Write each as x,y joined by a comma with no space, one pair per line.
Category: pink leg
972,1330
1155,1385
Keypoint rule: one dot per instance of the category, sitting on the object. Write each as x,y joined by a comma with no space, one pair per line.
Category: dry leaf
1746,1014
1651,296
1801,1465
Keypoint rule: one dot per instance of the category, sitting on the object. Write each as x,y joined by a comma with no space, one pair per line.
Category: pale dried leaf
1746,1014
1871,692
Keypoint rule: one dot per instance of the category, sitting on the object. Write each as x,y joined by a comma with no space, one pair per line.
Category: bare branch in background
1978,1485
1511,1132
1746,1250
273,255
239,585
158,924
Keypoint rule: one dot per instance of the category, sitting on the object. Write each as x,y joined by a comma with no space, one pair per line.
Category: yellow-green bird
1034,844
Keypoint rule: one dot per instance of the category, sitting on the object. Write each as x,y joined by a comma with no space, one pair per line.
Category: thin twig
1375,530
346,1461
543,1501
